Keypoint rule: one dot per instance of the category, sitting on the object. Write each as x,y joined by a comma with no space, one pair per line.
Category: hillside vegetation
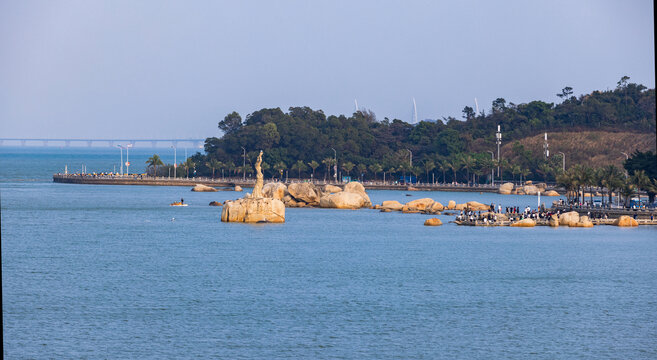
302,140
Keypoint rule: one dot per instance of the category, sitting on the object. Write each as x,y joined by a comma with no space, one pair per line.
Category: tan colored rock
530,189
330,189
406,210
433,222
541,187
551,193
519,191
343,200
500,217
566,219
358,188
460,206
553,221
625,221
305,192
392,205
215,203
584,222
238,188
435,208
528,182
524,223
451,205
476,206
254,211
505,189
412,188
274,190
203,188
419,204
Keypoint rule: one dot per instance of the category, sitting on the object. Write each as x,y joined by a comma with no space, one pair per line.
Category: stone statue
257,189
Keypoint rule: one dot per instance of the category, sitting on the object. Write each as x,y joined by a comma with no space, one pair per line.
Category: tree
468,113
622,83
300,166
362,169
189,163
499,105
348,166
154,161
328,162
565,93
611,178
375,169
429,165
641,181
313,165
231,123
213,165
280,167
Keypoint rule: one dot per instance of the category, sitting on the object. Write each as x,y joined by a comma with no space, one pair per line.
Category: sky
174,69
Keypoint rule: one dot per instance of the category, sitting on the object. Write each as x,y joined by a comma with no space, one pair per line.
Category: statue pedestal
254,210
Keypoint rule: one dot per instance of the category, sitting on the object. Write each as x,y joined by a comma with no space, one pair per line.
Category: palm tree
515,169
328,162
566,181
455,165
299,165
213,165
627,190
641,181
362,169
189,163
442,166
313,165
468,163
280,167
154,161
429,165
375,169
348,166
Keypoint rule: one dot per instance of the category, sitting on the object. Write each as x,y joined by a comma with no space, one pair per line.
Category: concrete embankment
230,183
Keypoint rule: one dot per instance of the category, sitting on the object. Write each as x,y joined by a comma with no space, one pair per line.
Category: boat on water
177,203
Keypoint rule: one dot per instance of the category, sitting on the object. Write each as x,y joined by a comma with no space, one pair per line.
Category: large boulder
433,222
553,221
505,189
358,188
330,189
391,205
420,204
551,193
274,190
214,203
344,200
451,205
625,220
476,206
566,219
435,208
530,189
524,223
254,211
500,216
238,188
203,188
584,222
305,192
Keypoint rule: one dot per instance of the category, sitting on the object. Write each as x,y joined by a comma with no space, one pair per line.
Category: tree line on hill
301,142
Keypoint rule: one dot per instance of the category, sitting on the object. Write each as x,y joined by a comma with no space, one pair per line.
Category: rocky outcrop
330,189
391,205
505,189
553,221
358,188
530,189
584,222
305,192
476,206
566,219
214,203
343,200
435,208
524,223
551,193
238,188
274,190
460,207
625,221
203,188
419,204
451,205
433,222
253,210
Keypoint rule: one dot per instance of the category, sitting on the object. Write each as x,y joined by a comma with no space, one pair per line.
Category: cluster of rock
253,210
429,206
570,219
203,188
352,196
527,189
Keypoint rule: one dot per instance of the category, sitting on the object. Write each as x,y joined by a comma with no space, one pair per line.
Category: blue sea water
114,272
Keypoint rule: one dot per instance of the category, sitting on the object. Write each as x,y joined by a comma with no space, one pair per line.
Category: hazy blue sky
145,69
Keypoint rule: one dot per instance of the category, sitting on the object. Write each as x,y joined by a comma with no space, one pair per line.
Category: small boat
177,203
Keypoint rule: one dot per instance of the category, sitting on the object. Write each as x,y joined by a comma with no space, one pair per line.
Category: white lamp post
127,158
492,170
121,147
175,162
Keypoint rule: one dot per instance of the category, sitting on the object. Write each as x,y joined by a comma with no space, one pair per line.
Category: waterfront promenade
140,179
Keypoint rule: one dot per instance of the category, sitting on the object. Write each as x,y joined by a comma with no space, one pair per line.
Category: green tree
362,169
231,123
375,169
428,165
213,165
188,164
348,166
280,167
154,161
300,166
313,165
641,181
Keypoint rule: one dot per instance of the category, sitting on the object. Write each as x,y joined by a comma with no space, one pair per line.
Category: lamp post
335,165
121,147
563,161
498,141
492,169
243,164
175,162
410,164
127,158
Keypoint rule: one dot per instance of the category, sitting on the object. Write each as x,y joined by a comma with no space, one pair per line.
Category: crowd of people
511,213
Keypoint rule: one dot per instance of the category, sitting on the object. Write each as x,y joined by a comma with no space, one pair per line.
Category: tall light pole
335,165
498,141
243,164
563,161
492,169
127,158
410,164
121,147
175,162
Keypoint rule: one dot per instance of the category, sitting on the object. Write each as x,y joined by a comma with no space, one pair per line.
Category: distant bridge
197,143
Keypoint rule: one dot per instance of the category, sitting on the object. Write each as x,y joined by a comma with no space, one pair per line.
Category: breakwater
231,182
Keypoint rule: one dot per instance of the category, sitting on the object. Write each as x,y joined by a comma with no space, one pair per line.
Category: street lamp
492,169
498,141
335,165
243,164
175,162
127,158
563,161
121,147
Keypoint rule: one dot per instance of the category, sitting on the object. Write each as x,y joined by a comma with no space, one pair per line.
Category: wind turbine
356,102
476,107
414,112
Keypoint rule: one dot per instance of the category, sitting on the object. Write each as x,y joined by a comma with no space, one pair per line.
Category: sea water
101,271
